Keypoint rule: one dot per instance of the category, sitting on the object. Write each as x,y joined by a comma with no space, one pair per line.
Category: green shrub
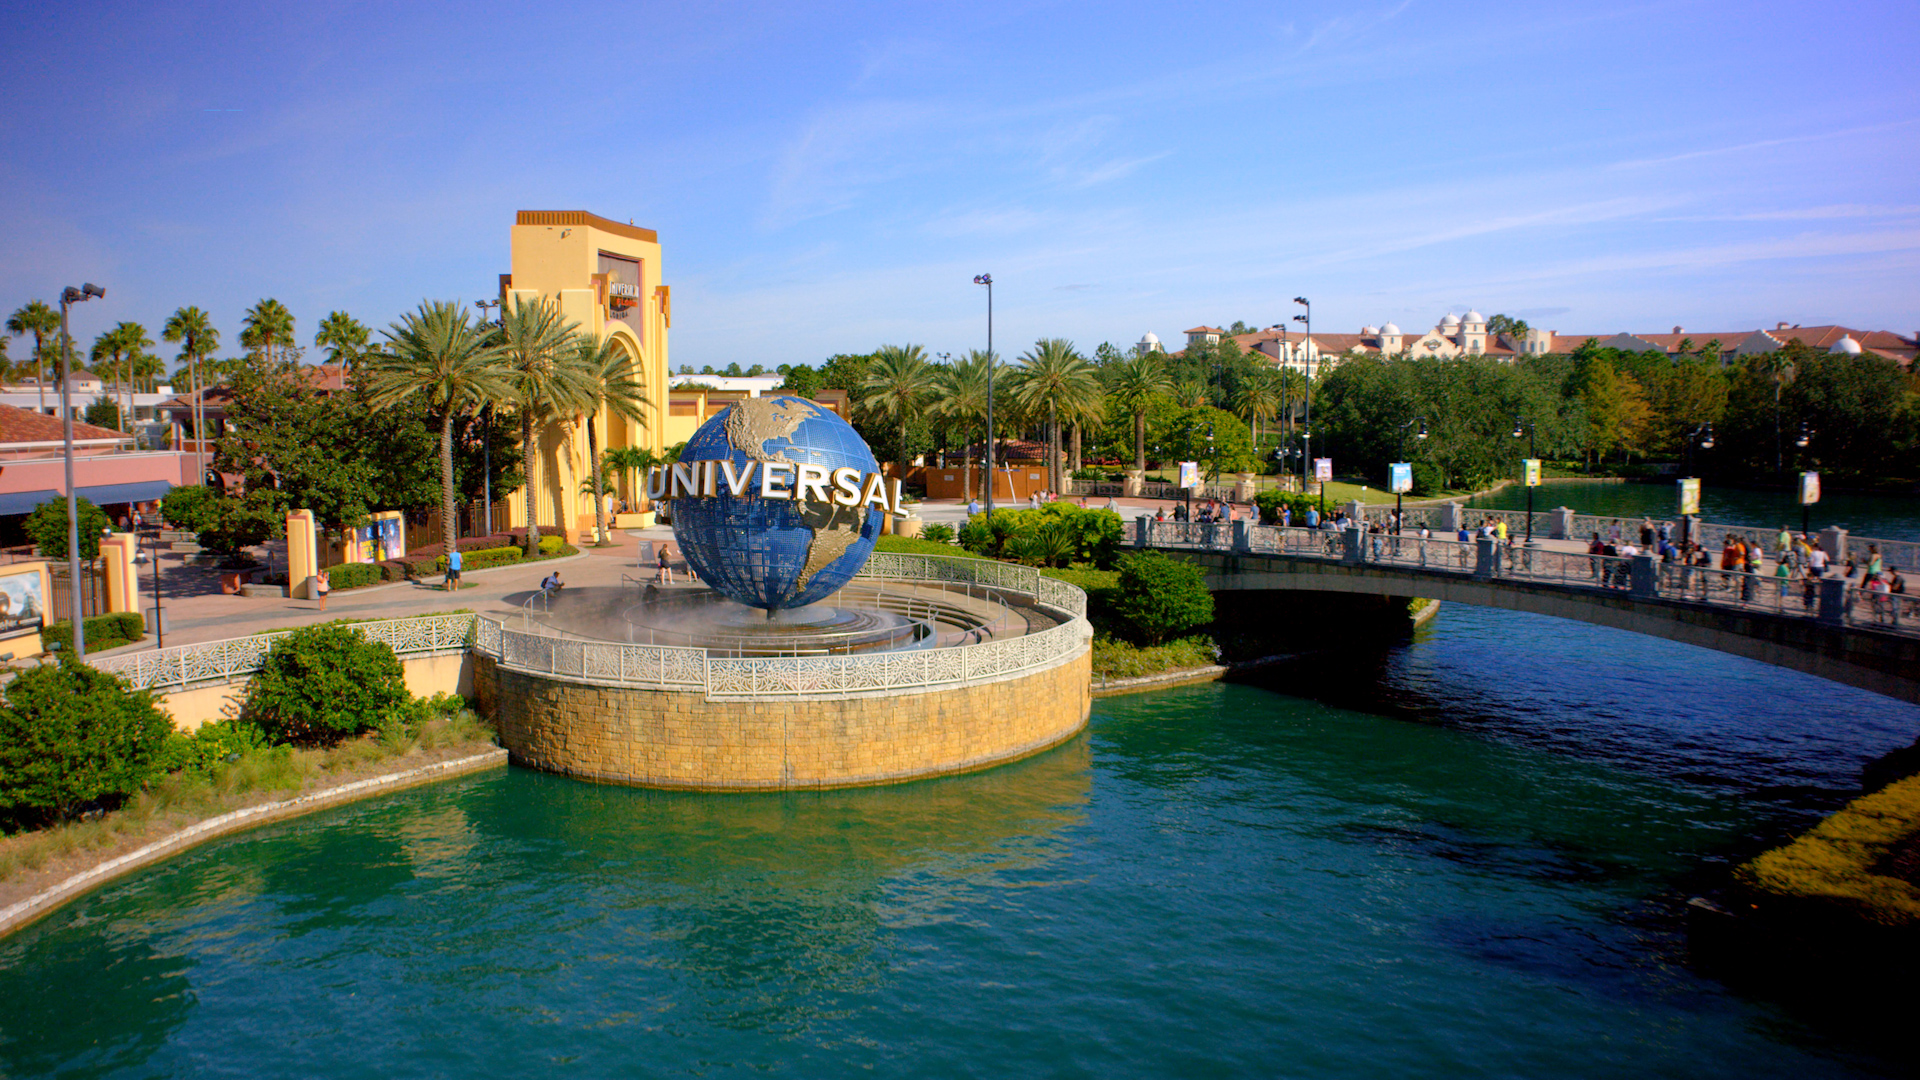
906,545
1116,659
47,525
70,737
1428,480
551,545
1271,500
487,558
210,747
1090,474
191,508
939,532
1080,536
1159,597
353,575
103,631
323,683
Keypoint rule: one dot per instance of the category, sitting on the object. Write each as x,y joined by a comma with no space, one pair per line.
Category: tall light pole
486,440
1520,425
1422,436
1306,362
987,280
69,297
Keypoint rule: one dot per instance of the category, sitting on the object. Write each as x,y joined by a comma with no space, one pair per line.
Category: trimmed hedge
913,545
353,575
119,628
72,737
484,559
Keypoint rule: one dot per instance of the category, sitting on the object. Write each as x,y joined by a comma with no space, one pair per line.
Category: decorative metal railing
725,677
678,667
234,658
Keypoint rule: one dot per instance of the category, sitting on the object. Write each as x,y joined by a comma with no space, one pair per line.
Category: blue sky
828,178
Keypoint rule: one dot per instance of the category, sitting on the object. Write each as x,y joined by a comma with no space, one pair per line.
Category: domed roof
1389,330
1846,344
1474,317
1450,320
1149,338
1369,331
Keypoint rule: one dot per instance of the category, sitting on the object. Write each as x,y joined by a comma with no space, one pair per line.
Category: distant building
1468,335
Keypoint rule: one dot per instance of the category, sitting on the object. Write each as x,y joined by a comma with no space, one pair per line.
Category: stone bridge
1827,627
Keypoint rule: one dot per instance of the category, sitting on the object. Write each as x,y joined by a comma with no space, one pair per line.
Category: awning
24,502
139,491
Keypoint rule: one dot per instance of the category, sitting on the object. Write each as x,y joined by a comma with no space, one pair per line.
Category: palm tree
1257,400
1135,382
613,383
193,330
42,322
268,323
544,385
960,394
1191,394
626,461
899,384
114,353
441,357
344,338
1055,380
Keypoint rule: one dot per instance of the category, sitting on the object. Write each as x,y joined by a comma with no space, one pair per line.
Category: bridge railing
1872,609
1831,599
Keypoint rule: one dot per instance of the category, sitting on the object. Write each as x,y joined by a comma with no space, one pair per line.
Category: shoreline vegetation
293,781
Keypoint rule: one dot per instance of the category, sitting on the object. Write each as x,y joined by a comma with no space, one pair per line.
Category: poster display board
1689,496
1809,488
1400,477
1322,469
23,605
1190,475
387,534
1530,472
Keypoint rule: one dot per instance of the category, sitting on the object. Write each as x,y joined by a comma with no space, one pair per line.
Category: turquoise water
1889,517
1459,857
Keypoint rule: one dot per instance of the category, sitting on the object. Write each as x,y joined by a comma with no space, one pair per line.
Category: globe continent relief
776,553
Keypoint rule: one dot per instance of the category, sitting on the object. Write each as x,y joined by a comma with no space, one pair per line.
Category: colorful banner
1322,469
359,546
1689,496
1190,475
1809,488
1530,472
1400,477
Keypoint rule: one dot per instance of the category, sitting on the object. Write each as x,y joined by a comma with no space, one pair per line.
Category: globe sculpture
776,553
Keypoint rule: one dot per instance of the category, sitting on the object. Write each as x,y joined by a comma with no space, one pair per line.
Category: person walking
1874,562
664,569
455,561
1817,561
322,585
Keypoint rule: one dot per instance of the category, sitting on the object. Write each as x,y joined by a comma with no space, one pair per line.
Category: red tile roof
26,426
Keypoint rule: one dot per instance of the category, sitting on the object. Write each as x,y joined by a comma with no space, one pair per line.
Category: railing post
1833,599
1559,523
1140,526
1645,579
1355,550
1486,556
1242,535
1833,540
1450,518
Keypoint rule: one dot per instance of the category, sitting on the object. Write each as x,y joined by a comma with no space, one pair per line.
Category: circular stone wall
683,739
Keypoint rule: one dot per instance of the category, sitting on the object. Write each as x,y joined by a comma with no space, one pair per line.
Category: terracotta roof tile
26,426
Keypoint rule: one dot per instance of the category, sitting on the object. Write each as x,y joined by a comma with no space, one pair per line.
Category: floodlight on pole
987,280
70,296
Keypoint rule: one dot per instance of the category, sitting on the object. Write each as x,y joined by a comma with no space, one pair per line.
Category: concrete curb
35,907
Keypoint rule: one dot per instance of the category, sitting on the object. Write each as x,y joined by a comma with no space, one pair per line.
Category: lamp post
987,280
159,617
69,297
1806,511
1422,436
1306,365
486,440
1527,426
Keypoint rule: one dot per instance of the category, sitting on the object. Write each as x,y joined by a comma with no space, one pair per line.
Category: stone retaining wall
680,739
